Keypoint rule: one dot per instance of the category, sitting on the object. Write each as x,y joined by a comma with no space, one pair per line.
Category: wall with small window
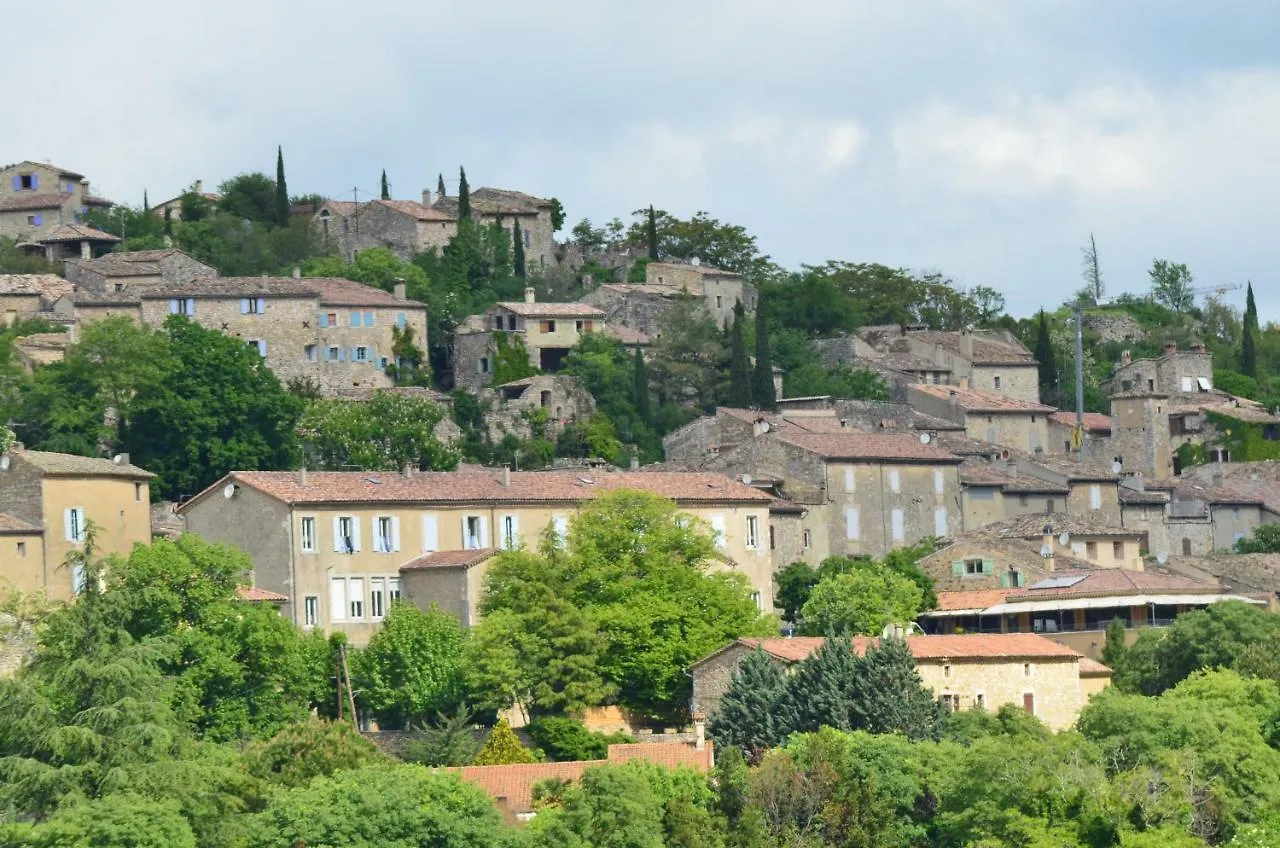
990,683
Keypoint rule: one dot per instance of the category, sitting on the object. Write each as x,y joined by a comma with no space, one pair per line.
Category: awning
1014,607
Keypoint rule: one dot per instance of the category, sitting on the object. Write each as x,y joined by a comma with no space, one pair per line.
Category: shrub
563,739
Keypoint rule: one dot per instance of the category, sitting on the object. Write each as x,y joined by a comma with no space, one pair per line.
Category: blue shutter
262,347
191,306
173,306
342,354
35,181
368,319
324,320
262,306
327,354
355,319
400,320
244,306
17,183
39,220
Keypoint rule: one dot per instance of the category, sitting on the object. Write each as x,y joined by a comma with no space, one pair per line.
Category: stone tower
1141,440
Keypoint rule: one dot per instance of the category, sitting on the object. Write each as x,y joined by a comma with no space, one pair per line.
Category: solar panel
1059,582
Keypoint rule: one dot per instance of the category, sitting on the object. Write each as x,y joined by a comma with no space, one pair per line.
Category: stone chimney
963,382
1126,357
699,731
426,197
398,289
635,463
199,187
302,477
1197,348
759,427
966,344
407,471
297,272
1046,544
86,252
1170,348
529,295
506,476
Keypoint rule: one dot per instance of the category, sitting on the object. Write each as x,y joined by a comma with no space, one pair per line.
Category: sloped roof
701,268
932,647
32,202
254,595
415,210
49,286
12,525
1032,527
551,310
61,171
980,400
626,335
1094,422
70,465
985,350
450,559
1092,668
869,446
336,291
1105,582
76,232
233,287
973,599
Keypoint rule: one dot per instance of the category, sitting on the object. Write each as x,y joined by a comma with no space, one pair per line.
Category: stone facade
989,360
454,583
1140,434
1020,425
137,270
24,296
405,227
641,308
719,290
43,208
515,407
1114,327
1176,372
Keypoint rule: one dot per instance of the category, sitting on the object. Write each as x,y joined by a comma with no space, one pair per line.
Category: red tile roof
448,487
856,446
1105,582
450,559
336,291
552,310
1093,668
973,599
934,647
1094,422
980,400
254,595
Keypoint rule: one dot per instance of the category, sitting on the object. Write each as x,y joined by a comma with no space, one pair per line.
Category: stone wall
510,409
1114,327
473,353
941,567
1018,381
1140,435
1052,682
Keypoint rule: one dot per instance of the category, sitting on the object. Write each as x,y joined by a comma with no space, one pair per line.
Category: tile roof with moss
70,465
853,446
980,400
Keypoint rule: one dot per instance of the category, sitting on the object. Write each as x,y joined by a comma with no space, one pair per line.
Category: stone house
1058,535
1140,439
989,360
1208,418
51,500
136,269
1074,607
1174,372
172,208
1096,433
24,296
549,331
334,542
898,369
40,349
546,403
719,290
983,671
43,207
405,227
986,415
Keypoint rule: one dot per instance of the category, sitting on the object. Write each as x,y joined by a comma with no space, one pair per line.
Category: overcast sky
982,139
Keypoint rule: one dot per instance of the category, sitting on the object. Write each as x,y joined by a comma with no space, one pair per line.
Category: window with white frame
806,539
895,481
473,537
346,599
386,534
355,598
393,590
560,523
899,530
310,611
73,521
377,597
307,534
848,478
718,531
346,534
753,532
510,532
1095,496
938,482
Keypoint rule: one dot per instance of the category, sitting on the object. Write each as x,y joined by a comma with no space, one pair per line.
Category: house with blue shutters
43,208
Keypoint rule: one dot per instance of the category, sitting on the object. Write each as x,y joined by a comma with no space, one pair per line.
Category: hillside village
627,494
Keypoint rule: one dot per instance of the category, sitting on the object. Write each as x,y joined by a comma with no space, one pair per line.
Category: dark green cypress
1047,368
750,717
821,690
641,388
464,195
168,220
739,363
762,392
888,696
1249,343
146,204
440,185
386,190
282,190
651,231
517,248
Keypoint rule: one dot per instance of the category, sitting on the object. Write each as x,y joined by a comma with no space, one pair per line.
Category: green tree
813,379
116,821
503,747
651,234
282,191
447,740
762,390
440,192
510,359
1048,369
1172,285
753,715
1265,539
517,249
888,696
412,666
308,749
688,359
722,245
565,739
641,383
792,587
821,689
464,195
1114,648
249,197
557,215
385,433
386,189
740,380
408,366
862,601
1249,344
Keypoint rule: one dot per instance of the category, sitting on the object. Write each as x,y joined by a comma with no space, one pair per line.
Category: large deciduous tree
412,666
1172,285
385,433
861,601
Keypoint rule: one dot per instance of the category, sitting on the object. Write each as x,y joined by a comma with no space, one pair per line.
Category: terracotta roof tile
450,559
415,210
32,202
1092,668
975,599
980,400
933,647
336,291
76,232
1105,582
11,524
49,286
1094,422
868,446
552,310
254,595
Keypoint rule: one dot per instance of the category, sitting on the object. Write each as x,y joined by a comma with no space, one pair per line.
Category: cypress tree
821,690
440,185
762,385
1048,369
651,231
1249,343
641,388
386,190
517,249
739,362
168,220
888,697
146,204
750,717
464,195
1114,649
282,190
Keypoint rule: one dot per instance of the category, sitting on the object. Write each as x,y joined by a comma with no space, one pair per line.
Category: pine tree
762,392
641,388
503,747
1249,343
282,190
751,712
1048,369
386,190
888,696
517,249
1114,649
464,195
440,185
821,690
146,204
651,231
739,362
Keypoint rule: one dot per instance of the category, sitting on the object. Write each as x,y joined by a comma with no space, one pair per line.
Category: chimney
529,295
426,197
302,477
1197,348
699,731
963,382
1170,348
759,427
1126,357
397,288
120,459
1046,548
407,470
506,476
297,272
635,462
199,187
1012,466
966,344
86,252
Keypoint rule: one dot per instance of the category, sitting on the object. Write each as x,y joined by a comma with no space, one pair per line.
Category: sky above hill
984,139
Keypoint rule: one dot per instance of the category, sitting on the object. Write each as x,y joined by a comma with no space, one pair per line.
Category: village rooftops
415,210
1094,422
232,287
70,465
11,525
450,559
537,309
132,263
1220,403
48,286
869,447
986,351
31,202
700,268
494,201
62,172
467,487
980,400
76,232
934,647
1033,526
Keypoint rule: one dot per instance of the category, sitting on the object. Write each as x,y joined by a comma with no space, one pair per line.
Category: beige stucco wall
1093,684
1021,431
1054,684
982,506
1081,501
921,490
120,507
21,562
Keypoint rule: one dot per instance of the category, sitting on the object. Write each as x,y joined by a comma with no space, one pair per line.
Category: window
1026,669
77,578
377,597
940,521
899,532
31,220
307,534
1186,546
510,532
330,320
497,322
718,531
973,567
354,319
253,305
895,482
718,304
560,524
360,354
73,519
511,322
401,320
310,611
549,326
1022,500
1117,551
1050,505
753,532
1091,551
951,703
393,590
346,534
757,600
991,435
1095,496
579,325
848,478
310,351
772,544
980,701
484,365
473,532
805,539
258,345
938,482
182,306
1029,702
386,534
137,492
22,549
996,381
430,534
852,526
368,319
334,354
1186,384
25,182
355,598
946,670
337,599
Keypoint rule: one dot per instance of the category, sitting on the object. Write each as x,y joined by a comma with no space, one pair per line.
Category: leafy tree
792,587
308,749
116,821
1171,285
385,433
1094,288
642,388
557,215
651,234
727,246
812,302
888,696
813,379
464,196
565,739
1048,369
510,359
249,197
408,366
988,305
689,357
386,190
862,601
1114,648
194,205
753,714
762,390
412,666
282,191
517,249
1249,344
739,363
503,747
1265,539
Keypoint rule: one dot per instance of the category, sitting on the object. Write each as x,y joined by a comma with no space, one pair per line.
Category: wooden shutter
395,533
244,306
262,305
957,568
355,533
430,534
337,534
988,566
1029,702
852,526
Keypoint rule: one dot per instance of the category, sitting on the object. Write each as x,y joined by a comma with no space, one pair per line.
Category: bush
564,739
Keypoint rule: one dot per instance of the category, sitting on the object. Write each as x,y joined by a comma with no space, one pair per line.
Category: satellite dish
1116,468
1162,557
764,426
1064,539
118,459
746,478
925,438
229,490
695,262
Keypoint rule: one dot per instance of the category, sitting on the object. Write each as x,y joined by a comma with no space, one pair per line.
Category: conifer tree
464,195
1114,649
517,249
762,392
440,185
386,190
641,388
821,690
651,231
888,697
1048,369
168,220
739,362
751,716
1249,343
146,204
282,190
503,747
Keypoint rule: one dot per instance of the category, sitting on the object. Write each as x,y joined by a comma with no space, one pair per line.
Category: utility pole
1080,381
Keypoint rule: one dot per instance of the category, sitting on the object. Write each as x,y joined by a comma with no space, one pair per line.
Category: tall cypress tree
464,195
168,220
282,191
750,717
888,696
146,204
739,363
517,249
440,185
762,392
651,232
821,690
1249,343
386,190
641,388
1048,369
